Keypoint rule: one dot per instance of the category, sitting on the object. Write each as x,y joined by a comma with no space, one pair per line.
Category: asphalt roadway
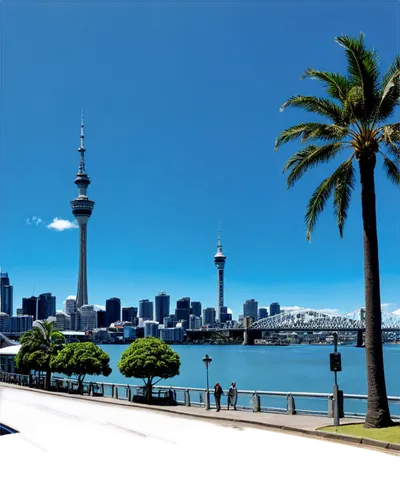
24,409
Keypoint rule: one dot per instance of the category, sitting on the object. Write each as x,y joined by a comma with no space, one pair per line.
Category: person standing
232,395
218,392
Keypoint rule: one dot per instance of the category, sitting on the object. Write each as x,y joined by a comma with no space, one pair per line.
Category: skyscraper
250,309
274,308
194,322
262,313
196,308
151,329
219,260
101,319
20,324
225,316
70,304
46,306
129,314
63,321
209,316
6,294
182,311
82,209
162,307
30,306
88,317
146,310
113,310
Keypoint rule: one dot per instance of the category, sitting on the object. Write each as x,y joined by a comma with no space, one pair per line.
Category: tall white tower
219,261
82,209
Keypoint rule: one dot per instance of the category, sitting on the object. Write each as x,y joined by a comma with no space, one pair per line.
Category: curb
375,443
341,437
335,437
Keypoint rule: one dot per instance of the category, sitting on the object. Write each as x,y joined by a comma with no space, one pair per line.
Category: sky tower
219,260
82,209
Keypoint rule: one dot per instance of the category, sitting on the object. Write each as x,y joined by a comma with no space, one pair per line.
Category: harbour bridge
311,320
302,320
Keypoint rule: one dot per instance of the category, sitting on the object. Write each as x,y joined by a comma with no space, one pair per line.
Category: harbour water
295,368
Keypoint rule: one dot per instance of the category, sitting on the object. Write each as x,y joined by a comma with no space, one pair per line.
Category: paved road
23,410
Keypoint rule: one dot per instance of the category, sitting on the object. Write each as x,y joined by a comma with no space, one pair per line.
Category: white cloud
329,311
291,308
34,220
325,310
99,308
387,305
397,312
62,224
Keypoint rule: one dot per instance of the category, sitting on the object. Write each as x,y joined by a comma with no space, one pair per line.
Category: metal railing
290,403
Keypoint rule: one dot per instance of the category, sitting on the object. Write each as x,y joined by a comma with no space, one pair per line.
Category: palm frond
337,85
344,179
321,106
308,157
390,133
305,131
354,105
390,94
394,151
363,68
392,169
317,203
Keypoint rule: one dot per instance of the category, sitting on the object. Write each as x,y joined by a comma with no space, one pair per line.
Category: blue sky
181,104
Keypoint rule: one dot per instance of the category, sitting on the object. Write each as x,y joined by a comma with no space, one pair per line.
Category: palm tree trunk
48,379
378,414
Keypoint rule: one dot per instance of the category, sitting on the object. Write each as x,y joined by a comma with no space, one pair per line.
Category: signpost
336,366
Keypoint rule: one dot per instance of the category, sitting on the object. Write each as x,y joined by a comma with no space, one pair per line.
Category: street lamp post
207,360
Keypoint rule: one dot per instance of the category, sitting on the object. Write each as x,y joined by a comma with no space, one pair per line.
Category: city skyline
173,156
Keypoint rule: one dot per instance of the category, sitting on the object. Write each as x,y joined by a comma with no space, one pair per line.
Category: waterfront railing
291,403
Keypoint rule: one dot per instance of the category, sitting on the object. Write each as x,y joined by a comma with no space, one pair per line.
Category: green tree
81,359
38,346
149,358
355,114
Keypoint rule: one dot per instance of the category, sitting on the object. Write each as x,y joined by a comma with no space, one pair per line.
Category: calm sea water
296,368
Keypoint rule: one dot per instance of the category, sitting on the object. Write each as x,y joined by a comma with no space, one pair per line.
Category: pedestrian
232,395
218,392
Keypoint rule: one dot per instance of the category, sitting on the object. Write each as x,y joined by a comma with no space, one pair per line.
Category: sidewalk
296,423
248,419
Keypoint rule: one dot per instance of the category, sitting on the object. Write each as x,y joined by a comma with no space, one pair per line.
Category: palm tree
37,347
356,112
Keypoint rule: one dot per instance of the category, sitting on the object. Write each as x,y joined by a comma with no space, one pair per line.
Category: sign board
336,362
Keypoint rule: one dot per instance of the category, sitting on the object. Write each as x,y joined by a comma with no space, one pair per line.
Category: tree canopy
354,116
149,358
81,359
38,346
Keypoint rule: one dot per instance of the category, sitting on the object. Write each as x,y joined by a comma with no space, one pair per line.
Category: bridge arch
316,320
